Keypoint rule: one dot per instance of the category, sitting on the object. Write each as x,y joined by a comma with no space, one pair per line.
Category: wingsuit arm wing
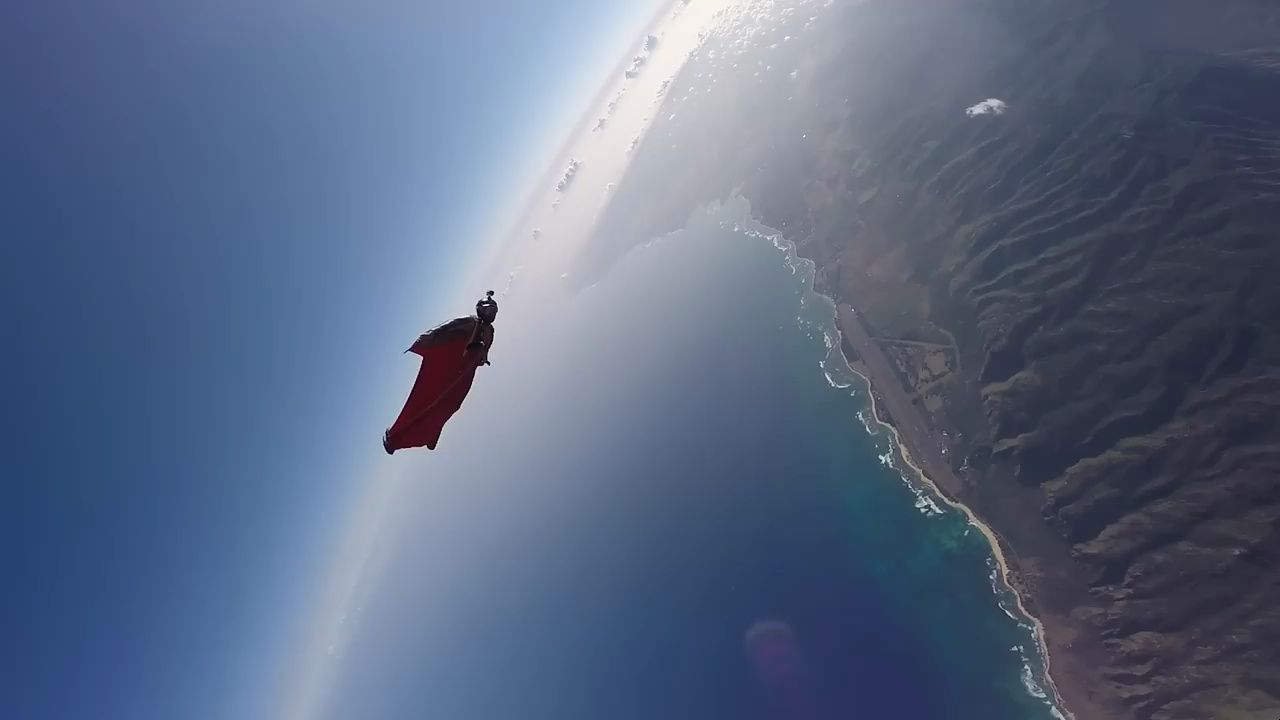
442,334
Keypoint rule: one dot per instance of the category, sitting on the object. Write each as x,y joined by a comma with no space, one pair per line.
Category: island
1052,229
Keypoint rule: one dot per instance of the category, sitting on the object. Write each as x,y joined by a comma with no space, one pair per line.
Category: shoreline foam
798,264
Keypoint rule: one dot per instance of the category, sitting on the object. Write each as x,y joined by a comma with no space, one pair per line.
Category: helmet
487,309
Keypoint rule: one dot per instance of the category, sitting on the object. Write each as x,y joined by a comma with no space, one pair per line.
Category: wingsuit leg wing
426,432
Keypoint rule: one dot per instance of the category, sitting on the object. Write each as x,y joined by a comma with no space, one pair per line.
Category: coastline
798,264
993,540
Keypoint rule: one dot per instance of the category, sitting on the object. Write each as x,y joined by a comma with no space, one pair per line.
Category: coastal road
913,430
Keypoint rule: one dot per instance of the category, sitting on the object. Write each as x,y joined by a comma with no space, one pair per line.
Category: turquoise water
677,515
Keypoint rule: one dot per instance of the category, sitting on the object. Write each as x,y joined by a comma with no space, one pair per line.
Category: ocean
680,511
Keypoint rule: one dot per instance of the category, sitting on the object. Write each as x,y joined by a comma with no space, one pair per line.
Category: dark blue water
670,469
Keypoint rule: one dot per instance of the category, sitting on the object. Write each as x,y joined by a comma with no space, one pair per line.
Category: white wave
924,503
1029,682
862,418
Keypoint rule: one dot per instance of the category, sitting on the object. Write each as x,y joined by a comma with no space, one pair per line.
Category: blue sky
222,222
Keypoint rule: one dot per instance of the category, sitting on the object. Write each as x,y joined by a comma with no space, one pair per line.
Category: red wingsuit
450,355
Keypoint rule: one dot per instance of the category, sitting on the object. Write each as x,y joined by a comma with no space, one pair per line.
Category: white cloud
511,279
637,62
990,106
613,104
567,178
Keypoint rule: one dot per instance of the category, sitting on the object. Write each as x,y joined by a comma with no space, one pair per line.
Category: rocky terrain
1064,218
